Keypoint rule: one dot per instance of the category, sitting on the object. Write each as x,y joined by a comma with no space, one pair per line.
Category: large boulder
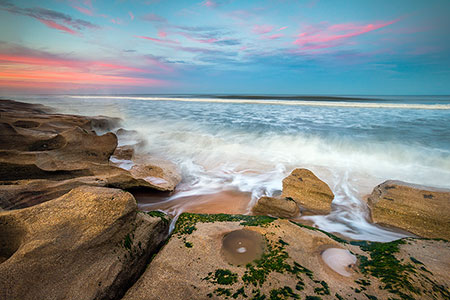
256,257
424,211
276,207
90,243
308,191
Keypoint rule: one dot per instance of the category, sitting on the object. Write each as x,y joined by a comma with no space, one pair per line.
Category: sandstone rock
73,150
193,264
124,153
104,124
276,207
158,174
44,155
131,138
7,106
90,243
49,142
424,211
308,191
50,185
161,175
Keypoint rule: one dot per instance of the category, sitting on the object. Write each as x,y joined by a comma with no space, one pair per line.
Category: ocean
245,145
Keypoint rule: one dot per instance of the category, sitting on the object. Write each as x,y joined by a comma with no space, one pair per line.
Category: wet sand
227,202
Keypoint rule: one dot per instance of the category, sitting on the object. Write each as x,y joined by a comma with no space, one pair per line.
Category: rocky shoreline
69,229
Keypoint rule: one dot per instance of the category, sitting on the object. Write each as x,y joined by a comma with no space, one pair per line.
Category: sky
348,47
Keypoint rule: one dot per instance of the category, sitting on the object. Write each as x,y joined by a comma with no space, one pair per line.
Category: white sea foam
219,150
278,102
213,162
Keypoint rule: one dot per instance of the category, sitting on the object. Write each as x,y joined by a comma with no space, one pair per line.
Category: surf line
280,102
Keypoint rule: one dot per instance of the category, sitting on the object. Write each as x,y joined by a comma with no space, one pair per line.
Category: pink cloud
84,7
83,10
165,41
55,25
116,67
209,3
162,34
39,70
331,36
272,37
131,15
117,21
69,63
54,76
282,28
344,27
262,29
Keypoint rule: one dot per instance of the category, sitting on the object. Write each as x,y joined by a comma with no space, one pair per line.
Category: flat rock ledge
421,210
90,243
194,264
44,155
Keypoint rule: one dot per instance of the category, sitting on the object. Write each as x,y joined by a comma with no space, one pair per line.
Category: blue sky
252,47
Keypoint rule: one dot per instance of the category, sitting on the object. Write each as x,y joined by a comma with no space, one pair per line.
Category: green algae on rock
186,221
290,267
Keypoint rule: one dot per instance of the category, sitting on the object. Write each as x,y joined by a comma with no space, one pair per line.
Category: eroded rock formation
308,191
90,243
424,211
276,207
43,155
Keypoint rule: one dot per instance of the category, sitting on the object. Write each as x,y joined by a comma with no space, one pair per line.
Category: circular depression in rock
240,247
339,260
10,239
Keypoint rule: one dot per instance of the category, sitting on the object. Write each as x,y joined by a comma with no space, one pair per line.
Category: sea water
249,144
